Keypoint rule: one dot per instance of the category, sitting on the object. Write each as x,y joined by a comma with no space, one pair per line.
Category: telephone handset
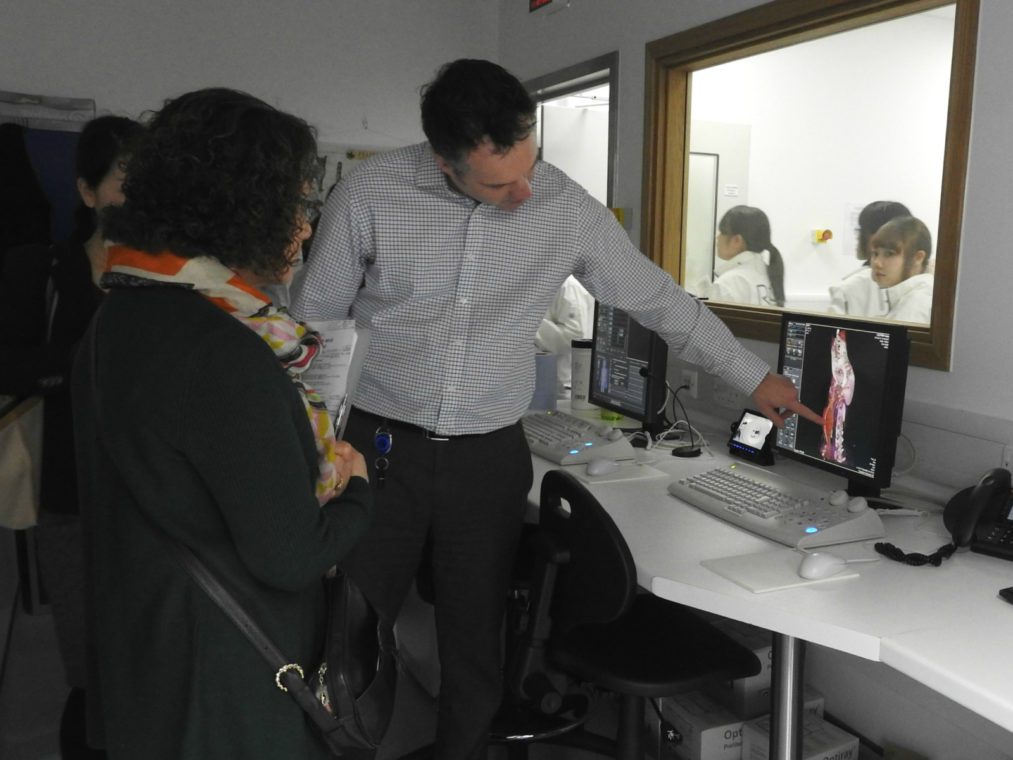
982,516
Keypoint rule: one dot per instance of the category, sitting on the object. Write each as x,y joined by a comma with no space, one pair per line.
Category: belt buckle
430,435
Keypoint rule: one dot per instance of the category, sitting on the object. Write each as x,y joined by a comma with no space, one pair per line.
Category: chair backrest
599,582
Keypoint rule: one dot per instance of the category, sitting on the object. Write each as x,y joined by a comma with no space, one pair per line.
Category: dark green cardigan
201,438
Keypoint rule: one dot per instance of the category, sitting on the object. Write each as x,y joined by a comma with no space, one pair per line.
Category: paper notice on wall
335,372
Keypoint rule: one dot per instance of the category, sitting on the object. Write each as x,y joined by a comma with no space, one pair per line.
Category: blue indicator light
574,451
588,444
811,529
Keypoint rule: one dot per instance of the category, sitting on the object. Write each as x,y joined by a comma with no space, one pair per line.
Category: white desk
944,627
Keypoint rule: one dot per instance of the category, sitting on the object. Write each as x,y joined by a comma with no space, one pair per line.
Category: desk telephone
982,516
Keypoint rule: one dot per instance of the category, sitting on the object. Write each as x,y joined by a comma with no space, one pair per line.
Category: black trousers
465,497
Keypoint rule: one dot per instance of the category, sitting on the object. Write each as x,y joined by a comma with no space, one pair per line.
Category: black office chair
583,628
587,622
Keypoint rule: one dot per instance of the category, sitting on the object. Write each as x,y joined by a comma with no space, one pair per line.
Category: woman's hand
349,463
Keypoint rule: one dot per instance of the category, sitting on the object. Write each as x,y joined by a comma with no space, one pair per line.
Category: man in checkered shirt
450,252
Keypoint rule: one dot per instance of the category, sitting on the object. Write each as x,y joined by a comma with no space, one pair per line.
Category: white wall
569,136
336,63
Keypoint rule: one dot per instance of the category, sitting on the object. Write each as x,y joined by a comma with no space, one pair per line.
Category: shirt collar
430,177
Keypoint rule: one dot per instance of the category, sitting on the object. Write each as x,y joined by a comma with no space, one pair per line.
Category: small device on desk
752,438
567,439
777,508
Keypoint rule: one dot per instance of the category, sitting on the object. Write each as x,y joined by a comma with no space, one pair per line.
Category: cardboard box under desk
820,740
705,730
747,697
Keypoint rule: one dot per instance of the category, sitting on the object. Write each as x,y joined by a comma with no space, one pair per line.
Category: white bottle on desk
580,373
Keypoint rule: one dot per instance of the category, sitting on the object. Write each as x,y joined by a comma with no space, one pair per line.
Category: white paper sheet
335,372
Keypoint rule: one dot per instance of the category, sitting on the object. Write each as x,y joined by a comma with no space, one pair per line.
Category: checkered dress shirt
453,290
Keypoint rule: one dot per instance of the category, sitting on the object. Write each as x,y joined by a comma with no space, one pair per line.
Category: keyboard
776,508
566,439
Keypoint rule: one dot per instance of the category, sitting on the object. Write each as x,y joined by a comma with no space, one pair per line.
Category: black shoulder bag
350,695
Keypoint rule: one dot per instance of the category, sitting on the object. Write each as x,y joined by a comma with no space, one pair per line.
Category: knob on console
858,504
839,498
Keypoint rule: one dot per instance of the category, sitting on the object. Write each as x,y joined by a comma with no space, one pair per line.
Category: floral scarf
294,343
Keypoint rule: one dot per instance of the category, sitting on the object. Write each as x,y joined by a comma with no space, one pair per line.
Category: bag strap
288,676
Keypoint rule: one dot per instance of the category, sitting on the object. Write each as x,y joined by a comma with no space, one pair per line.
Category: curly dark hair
471,100
217,173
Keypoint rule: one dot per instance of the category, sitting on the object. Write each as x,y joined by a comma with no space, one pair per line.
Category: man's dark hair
217,173
874,216
471,100
103,141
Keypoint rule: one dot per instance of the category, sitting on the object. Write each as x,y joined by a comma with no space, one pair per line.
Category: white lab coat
858,295
570,317
911,300
743,279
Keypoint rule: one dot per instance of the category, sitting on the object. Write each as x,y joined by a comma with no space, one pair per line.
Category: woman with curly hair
194,427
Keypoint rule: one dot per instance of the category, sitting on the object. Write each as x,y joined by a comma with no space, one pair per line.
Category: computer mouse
602,466
818,565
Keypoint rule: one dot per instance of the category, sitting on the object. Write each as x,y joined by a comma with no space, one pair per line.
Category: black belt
407,427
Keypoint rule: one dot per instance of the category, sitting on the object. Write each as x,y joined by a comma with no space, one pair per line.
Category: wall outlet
692,379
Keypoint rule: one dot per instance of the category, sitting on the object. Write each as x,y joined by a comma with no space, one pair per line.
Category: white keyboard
777,508
566,439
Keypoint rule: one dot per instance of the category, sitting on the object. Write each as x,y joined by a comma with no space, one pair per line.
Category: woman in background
857,294
742,274
48,295
194,427
900,255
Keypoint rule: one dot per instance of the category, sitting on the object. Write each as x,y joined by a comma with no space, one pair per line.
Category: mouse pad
628,470
768,571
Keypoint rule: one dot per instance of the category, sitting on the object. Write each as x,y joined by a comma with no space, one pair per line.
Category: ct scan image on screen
840,373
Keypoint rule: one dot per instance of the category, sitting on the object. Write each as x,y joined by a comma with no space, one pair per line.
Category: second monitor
628,365
854,373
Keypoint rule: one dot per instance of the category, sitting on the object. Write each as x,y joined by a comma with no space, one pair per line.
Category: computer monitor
628,368
853,373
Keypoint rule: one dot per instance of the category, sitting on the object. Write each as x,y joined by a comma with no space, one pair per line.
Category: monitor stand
858,488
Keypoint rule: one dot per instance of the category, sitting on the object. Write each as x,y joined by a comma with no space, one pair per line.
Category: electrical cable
693,450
